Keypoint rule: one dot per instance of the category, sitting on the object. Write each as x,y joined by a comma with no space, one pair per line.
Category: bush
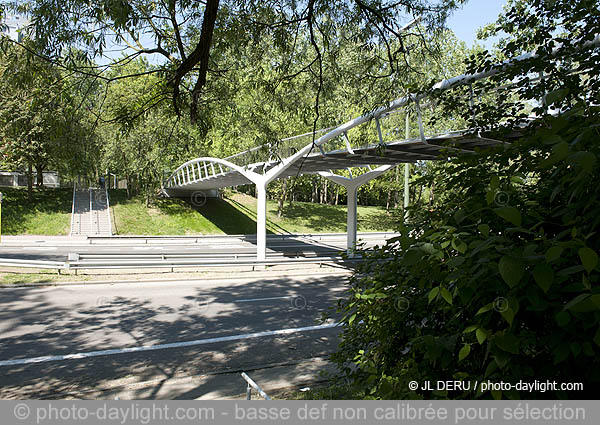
499,283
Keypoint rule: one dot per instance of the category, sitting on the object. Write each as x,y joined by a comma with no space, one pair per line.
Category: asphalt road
58,249
209,326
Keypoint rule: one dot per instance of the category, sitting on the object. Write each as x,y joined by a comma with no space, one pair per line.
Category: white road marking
39,248
263,299
143,348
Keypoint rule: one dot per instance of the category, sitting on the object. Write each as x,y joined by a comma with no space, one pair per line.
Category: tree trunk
291,191
30,181
40,176
200,56
127,183
324,192
389,199
282,197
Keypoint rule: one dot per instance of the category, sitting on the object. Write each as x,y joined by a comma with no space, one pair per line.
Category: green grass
48,213
237,215
43,276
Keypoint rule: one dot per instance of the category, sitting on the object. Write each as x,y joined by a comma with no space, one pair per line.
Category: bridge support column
352,185
261,221
351,220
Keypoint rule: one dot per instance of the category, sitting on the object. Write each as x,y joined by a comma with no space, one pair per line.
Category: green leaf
433,293
484,229
412,257
553,253
501,358
511,269
544,276
484,309
552,139
560,151
597,337
556,95
464,352
481,335
589,258
508,343
508,315
578,299
428,248
509,310
459,245
562,318
459,216
561,353
491,367
446,295
584,303
585,160
470,329
495,182
510,214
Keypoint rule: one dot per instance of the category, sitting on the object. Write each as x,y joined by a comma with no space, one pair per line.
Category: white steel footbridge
372,142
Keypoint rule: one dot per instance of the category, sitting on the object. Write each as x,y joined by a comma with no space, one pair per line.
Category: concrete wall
16,179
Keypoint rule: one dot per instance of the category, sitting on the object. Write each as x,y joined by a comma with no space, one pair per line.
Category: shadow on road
58,321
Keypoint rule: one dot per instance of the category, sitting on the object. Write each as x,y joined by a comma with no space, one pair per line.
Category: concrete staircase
91,213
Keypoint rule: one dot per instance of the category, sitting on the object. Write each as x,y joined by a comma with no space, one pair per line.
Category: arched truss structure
314,157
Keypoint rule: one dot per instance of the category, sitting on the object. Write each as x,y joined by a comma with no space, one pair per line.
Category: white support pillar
261,221
351,227
352,185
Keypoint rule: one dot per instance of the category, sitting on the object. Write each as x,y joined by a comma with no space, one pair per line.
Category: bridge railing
499,93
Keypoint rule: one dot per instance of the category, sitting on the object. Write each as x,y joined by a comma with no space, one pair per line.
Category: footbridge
364,147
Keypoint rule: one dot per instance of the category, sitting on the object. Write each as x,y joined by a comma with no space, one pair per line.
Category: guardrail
200,238
251,385
142,263
9,262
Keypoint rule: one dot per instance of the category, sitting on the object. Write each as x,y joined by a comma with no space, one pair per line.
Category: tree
156,141
191,36
37,121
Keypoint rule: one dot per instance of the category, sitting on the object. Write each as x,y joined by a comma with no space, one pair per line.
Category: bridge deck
397,152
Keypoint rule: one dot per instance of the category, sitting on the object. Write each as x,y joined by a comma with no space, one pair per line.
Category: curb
130,281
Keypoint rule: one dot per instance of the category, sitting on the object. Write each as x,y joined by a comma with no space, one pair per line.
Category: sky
472,16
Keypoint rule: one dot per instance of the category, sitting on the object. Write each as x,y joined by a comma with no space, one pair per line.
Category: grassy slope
237,215
49,213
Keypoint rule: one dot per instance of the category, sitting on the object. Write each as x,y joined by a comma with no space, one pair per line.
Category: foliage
198,41
156,141
38,121
500,281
